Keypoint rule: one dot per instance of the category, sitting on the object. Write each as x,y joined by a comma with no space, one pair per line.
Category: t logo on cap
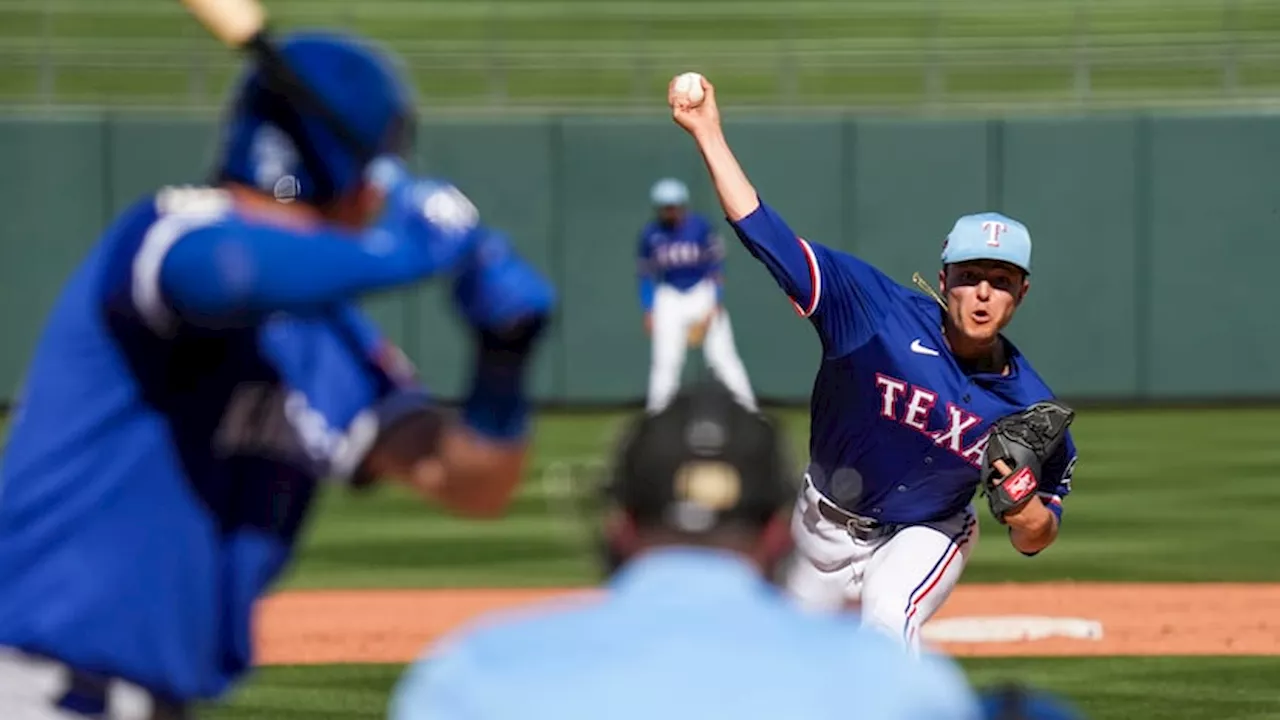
988,236
994,228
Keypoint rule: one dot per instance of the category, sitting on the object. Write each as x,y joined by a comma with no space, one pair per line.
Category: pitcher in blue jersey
902,405
681,265
205,367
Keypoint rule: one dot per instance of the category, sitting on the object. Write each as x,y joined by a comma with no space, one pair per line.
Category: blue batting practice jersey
897,428
682,255
157,473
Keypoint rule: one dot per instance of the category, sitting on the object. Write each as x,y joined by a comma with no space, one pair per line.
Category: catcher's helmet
701,464
277,147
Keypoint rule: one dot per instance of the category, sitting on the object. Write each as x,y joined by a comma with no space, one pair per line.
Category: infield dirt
394,626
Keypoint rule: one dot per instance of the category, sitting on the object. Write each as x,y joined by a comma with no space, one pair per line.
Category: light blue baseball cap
988,236
668,191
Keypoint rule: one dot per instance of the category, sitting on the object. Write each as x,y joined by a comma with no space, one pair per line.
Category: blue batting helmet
278,147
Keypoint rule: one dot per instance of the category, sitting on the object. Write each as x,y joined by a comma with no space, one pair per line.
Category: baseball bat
242,26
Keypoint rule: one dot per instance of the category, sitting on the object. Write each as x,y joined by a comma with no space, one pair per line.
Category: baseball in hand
690,85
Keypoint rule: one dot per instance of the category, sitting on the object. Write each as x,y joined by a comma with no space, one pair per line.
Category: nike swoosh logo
916,347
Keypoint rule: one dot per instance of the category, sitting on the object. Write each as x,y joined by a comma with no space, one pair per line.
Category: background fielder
681,260
902,406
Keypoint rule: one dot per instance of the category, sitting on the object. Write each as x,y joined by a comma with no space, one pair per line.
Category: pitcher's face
982,296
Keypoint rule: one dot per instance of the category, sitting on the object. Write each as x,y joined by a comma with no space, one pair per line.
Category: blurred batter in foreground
206,367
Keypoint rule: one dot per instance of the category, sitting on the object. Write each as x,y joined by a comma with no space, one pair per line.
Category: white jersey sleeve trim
360,437
147,297
181,211
339,451
367,426
815,281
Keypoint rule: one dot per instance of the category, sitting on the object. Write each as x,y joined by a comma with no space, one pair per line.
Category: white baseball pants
674,313
897,577
30,688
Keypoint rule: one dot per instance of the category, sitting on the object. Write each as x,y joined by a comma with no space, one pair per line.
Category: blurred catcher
688,627
206,366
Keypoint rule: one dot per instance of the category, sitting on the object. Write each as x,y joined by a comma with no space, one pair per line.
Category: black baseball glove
1020,444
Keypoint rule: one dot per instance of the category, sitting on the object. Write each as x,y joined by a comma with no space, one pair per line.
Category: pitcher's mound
1167,619
1009,628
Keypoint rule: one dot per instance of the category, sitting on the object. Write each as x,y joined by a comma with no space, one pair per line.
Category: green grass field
558,53
1159,496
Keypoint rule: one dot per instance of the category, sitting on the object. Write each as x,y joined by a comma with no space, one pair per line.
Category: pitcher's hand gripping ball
1019,446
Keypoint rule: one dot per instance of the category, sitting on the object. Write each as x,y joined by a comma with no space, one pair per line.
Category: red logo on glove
1020,484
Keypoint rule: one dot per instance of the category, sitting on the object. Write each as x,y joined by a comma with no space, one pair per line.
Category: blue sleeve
231,273
646,292
843,296
509,303
644,271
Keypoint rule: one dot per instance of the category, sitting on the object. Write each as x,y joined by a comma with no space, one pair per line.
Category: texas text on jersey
680,256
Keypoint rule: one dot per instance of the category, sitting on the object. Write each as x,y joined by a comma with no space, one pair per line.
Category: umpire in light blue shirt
689,626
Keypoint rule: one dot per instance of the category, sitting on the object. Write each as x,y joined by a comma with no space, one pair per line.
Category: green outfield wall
1155,238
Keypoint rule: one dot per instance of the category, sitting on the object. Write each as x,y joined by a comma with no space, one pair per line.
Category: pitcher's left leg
912,574
723,359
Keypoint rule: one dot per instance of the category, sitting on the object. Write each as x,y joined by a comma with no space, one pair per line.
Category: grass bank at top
1159,496
1169,688
540,51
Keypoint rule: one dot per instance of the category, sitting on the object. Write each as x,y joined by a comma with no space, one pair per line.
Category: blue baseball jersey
157,473
681,256
898,428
